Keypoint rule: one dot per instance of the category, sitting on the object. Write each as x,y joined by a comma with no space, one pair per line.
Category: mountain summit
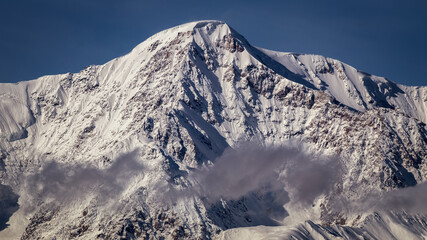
198,134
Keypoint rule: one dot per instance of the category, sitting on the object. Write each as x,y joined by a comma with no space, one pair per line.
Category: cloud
64,183
252,168
308,177
282,174
304,177
410,199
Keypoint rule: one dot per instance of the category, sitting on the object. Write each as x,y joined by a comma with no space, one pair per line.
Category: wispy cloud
410,199
252,167
64,183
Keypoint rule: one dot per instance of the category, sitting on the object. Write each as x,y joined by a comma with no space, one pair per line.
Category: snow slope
358,90
376,226
177,101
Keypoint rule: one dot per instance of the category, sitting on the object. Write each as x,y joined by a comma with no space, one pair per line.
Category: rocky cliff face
175,103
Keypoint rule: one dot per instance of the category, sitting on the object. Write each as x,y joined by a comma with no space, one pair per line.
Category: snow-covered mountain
116,151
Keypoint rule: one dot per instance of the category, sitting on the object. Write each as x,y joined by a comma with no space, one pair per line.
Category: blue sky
385,38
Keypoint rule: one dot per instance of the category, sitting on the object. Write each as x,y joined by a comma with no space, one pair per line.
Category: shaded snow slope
177,101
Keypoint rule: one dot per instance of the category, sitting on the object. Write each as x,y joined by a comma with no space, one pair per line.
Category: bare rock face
178,101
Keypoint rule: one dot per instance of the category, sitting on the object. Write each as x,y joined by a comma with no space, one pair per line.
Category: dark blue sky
386,38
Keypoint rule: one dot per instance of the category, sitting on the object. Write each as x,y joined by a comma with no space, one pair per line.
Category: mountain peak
204,30
203,25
